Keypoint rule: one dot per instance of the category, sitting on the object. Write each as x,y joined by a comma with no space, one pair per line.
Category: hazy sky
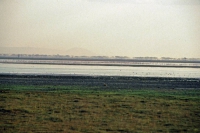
169,28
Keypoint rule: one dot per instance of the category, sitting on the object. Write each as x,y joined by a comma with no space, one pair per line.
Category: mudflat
111,82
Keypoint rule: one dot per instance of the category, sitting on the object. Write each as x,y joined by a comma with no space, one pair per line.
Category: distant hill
80,52
47,51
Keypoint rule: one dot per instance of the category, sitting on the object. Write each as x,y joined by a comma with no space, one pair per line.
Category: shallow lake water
99,70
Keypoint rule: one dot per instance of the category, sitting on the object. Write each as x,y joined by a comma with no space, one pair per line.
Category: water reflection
100,70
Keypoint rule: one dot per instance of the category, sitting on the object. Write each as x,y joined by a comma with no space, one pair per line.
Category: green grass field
92,109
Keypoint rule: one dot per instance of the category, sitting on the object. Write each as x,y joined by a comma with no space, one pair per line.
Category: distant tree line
93,57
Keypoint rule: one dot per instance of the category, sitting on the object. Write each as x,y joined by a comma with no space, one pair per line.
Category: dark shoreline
84,64
112,82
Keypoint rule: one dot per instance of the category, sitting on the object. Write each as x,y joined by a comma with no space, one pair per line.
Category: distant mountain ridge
80,52
46,51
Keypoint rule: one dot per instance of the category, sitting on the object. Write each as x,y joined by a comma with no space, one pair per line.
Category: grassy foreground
90,109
